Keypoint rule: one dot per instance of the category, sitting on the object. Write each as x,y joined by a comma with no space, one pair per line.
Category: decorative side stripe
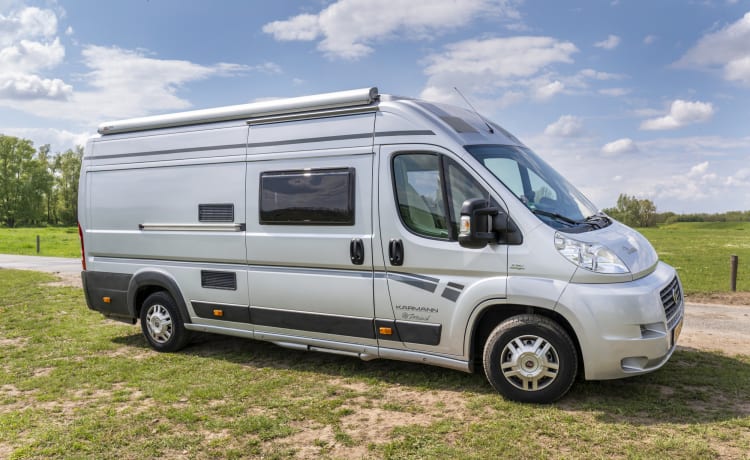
311,140
422,282
169,152
451,294
414,132
266,144
311,271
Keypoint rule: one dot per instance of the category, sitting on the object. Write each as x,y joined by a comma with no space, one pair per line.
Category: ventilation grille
219,280
216,212
671,298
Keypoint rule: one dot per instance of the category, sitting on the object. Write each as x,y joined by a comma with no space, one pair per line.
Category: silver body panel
142,183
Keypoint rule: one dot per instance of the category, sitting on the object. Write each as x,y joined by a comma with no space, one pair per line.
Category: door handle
396,252
357,251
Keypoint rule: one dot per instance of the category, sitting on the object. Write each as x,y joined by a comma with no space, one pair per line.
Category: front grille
671,298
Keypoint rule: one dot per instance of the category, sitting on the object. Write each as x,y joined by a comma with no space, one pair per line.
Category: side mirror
474,229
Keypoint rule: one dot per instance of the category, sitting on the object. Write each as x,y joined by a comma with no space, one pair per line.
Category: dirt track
708,325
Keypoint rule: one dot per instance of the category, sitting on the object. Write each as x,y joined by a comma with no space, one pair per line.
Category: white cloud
28,56
565,126
698,170
348,28
27,23
615,92
128,83
726,49
123,84
58,139
603,76
548,90
501,70
681,113
21,86
609,43
304,27
270,68
28,45
620,147
649,39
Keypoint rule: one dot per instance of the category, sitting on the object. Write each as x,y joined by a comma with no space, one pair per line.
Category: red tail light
83,251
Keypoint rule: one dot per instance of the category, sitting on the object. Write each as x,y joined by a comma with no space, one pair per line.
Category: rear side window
307,197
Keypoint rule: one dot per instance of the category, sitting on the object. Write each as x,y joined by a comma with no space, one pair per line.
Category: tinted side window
419,194
461,187
307,197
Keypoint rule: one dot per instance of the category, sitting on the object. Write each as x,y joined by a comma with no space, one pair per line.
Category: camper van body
372,226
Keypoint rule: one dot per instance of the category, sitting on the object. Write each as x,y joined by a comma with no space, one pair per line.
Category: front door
428,273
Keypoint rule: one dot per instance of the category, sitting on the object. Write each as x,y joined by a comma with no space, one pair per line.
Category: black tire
530,358
162,324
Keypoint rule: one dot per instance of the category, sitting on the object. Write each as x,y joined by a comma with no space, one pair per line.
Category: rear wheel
161,323
530,358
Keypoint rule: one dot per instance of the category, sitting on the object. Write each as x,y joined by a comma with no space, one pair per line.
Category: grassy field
699,251
54,241
74,385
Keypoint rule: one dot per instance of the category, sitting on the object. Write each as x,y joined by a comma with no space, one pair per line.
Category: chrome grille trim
672,300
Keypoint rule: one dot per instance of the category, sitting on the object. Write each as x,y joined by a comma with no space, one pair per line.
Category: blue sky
649,98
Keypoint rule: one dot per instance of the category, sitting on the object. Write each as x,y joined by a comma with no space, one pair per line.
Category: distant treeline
37,187
642,213
731,216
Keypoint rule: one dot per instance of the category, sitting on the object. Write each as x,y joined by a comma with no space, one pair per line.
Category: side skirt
363,352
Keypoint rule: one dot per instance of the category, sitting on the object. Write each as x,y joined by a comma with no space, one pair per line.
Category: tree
67,170
634,212
20,177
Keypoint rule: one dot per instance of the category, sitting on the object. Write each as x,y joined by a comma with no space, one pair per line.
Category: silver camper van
373,226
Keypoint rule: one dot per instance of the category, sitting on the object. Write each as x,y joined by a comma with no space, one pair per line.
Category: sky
647,98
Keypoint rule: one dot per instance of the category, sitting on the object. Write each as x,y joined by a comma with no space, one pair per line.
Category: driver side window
430,190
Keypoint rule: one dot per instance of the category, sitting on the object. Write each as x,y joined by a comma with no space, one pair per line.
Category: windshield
542,189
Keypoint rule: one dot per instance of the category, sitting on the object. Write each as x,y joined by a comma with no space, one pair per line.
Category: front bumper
626,329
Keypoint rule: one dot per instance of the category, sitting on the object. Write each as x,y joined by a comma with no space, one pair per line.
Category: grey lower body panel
107,293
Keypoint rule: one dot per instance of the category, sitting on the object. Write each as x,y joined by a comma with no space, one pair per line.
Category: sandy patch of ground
713,327
373,420
67,279
724,298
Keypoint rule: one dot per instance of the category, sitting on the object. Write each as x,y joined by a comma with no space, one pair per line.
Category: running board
303,347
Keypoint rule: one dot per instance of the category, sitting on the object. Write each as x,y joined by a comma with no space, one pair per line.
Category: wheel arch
493,314
148,281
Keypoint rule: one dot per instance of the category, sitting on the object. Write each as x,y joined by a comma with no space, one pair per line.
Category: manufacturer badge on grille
676,295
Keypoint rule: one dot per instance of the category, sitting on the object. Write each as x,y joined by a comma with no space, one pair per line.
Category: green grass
54,241
700,252
74,385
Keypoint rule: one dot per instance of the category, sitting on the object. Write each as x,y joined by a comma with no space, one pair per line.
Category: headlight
592,257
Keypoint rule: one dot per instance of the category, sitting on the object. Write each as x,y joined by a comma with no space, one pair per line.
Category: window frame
451,219
351,204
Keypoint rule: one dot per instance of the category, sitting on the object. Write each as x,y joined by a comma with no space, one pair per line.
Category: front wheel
161,323
530,358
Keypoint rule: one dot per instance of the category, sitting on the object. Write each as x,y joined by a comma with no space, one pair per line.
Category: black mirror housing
474,228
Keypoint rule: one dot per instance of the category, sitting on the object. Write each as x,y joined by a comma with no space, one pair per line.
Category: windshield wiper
597,220
554,215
